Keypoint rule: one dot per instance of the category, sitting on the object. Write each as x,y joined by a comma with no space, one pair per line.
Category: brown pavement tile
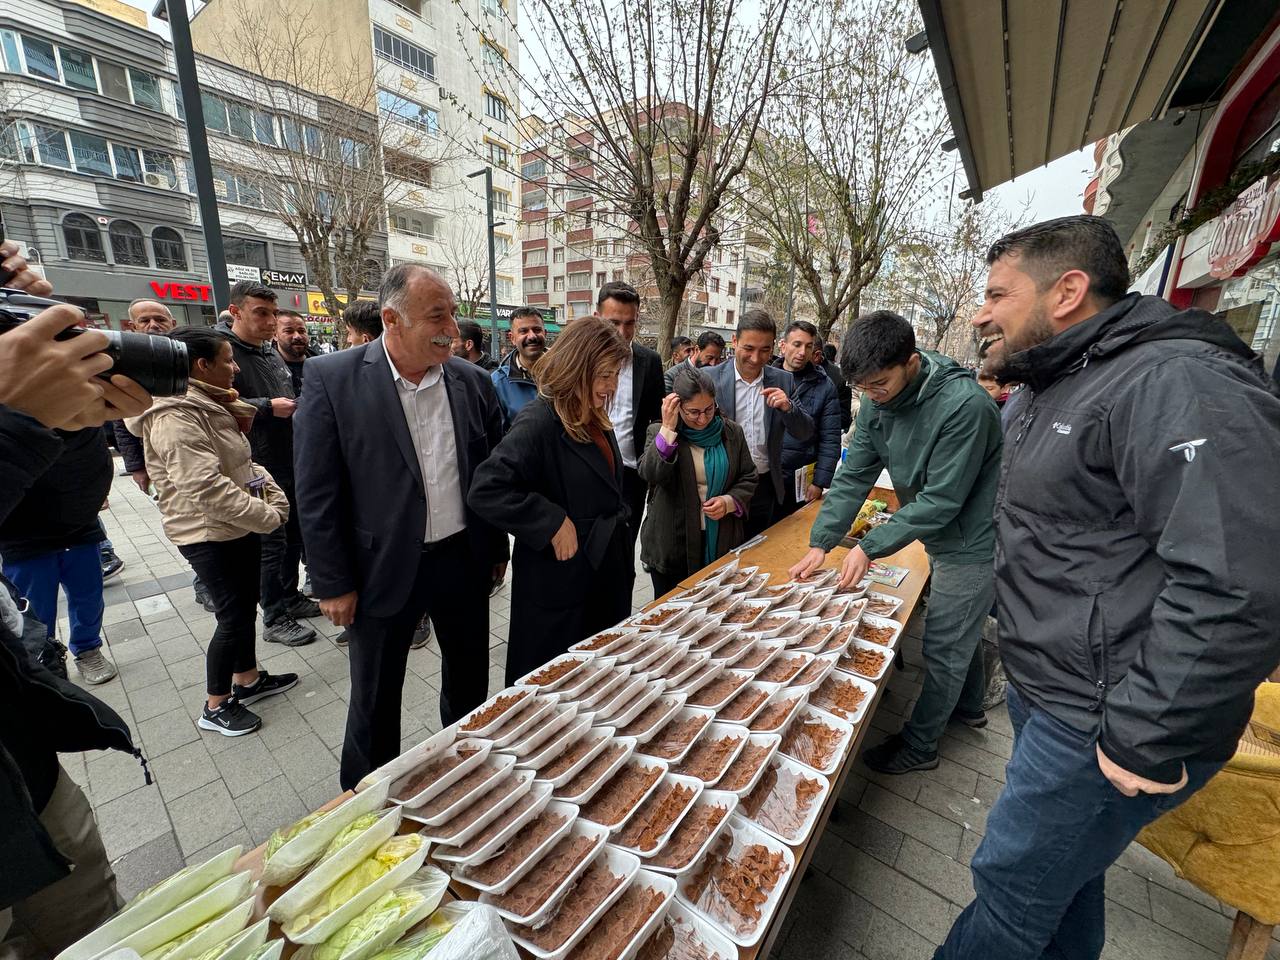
167,731
269,806
147,865
938,832
924,911
939,873
1134,937
1131,890
888,939
129,821
180,771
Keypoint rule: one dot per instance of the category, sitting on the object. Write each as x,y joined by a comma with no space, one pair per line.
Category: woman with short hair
215,502
701,479
555,484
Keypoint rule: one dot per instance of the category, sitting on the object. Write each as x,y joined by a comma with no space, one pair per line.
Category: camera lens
157,364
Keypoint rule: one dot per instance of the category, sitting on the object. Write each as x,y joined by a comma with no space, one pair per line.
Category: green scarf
715,462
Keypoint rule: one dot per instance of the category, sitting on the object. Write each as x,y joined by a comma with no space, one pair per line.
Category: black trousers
664,583
454,588
229,571
634,491
281,554
763,509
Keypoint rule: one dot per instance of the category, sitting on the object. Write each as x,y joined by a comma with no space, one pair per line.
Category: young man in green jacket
926,419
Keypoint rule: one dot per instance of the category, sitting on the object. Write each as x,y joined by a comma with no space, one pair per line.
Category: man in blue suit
757,397
386,439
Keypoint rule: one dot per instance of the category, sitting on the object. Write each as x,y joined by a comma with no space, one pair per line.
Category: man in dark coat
816,395
758,397
469,345
638,401
1135,575
707,352
388,436
263,382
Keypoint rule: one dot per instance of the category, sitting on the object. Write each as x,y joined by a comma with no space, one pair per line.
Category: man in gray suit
757,397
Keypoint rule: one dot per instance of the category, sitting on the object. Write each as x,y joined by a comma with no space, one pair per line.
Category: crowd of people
1082,487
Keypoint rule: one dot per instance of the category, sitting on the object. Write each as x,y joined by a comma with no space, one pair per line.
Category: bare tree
852,151
465,251
649,108
336,166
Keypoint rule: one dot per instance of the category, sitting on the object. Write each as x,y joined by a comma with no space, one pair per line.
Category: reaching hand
777,398
854,568
565,542
808,564
671,412
1130,784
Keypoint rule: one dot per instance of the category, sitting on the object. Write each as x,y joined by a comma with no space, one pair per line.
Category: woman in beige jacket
216,502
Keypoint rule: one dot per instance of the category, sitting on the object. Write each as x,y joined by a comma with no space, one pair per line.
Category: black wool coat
537,476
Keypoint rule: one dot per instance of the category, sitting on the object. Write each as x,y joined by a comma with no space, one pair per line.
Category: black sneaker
301,607
202,598
975,720
267,685
111,564
422,635
894,757
231,719
342,638
289,632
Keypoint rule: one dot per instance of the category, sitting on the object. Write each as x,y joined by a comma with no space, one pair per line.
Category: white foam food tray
219,930
855,612
777,593
839,640
725,715
540,793
784,667
669,781
519,724
603,643
714,699
639,763
718,731
634,707
632,646
584,679
797,699
697,626
493,804
685,713
411,759
709,798
753,586
878,622
723,607
816,638
654,650
518,700
757,608
539,679
499,764
598,738
824,578
619,862
846,660
882,604
818,699
660,884
618,697
789,772
555,808
772,624
733,650
598,696
670,703
327,926
796,599
549,726
557,744
759,656
447,779
739,576
766,741
691,927
697,593
833,762
795,634
817,670
699,678
245,943
677,672
660,668
816,600
581,828
665,617
747,932
586,792
715,638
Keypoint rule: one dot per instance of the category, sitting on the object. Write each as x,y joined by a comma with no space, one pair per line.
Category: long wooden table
786,541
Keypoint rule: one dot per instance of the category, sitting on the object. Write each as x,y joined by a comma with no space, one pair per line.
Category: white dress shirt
622,414
749,397
430,420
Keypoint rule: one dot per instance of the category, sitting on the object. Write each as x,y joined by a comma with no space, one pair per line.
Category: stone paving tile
282,723
918,907
143,674
204,817
966,810
273,804
1134,937
129,821
938,872
153,700
178,648
311,694
246,767
329,722
925,825
973,757
1207,927
1130,890
147,865
823,904
132,650
888,939
180,771
309,761
866,832
113,774
189,672
240,837
166,732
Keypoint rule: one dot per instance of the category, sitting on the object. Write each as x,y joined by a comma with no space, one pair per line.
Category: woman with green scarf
700,478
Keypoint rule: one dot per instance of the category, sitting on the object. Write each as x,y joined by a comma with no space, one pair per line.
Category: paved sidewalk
890,875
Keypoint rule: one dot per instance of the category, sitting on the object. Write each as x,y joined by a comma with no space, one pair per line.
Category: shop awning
1028,81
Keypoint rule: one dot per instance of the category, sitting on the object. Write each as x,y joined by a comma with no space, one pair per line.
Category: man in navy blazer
757,397
386,440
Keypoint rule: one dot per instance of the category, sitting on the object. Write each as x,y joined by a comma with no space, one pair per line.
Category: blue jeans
1040,873
960,595
79,572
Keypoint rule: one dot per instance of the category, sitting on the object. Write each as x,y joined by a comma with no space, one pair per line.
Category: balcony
536,298
538,244
580,266
583,203
578,296
532,216
532,271
584,235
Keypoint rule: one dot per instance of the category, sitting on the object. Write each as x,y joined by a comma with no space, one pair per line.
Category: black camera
157,364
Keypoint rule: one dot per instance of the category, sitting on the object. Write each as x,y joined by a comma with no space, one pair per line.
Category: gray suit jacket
795,422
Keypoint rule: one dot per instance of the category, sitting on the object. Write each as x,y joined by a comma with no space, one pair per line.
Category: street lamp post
487,173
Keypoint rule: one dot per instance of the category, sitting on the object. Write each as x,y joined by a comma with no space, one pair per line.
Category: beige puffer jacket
201,465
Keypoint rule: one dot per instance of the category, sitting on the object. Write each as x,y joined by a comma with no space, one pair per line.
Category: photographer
46,825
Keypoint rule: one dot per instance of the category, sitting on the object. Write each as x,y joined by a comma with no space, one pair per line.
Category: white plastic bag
479,935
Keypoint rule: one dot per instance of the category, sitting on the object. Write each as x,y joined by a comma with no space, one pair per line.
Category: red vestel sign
1245,231
201,292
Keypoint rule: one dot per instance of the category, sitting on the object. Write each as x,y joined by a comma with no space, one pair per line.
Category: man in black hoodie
1135,575
264,382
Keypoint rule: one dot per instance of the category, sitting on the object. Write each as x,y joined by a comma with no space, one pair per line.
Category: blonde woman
555,484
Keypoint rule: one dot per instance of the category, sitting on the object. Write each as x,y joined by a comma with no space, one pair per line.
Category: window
215,112
535,258
91,153
600,279
146,90
252,253
9,46
728,318
498,154
127,246
128,166
224,188
403,53
535,285
506,287
733,288
52,145
533,169
264,128
41,59
153,161
179,107
240,121
501,245
711,314
535,199
115,81
495,108
491,6
395,107
715,284
354,153
291,133
502,202
557,255
493,57
557,225
415,223
171,252
617,275
77,70
559,285
602,249
580,281
580,309
371,274
83,240
406,167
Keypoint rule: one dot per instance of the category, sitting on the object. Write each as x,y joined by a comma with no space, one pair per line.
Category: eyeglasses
702,414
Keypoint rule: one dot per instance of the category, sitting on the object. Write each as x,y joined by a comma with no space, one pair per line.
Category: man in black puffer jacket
817,395
1136,560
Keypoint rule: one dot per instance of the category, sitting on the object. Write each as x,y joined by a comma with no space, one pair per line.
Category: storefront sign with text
1244,232
199,292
